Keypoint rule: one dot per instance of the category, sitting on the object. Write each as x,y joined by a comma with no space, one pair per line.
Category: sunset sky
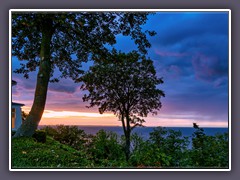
190,52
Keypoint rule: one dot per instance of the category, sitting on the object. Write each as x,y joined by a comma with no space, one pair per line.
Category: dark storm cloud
177,27
192,44
65,85
209,68
199,97
61,88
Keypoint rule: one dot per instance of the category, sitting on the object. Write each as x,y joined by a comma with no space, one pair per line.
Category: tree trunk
128,134
127,147
31,123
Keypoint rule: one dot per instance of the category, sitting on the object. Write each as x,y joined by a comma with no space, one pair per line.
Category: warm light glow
53,117
67,114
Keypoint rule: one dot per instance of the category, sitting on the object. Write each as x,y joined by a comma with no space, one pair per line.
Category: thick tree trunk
31,123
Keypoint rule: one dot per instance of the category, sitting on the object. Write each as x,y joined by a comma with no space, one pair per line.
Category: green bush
172,144
209,151
69,135
40,136
144,154
106,151
68,146
28,153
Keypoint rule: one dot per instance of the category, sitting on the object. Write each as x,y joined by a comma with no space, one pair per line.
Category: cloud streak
170,54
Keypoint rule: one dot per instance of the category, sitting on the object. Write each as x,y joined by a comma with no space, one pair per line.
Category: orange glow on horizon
67,114
52,117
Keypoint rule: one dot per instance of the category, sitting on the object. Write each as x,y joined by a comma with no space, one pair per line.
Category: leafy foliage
124,84
105,150
82,34
144,154
69,135
171,143
209,151
27,153
40,136
165,148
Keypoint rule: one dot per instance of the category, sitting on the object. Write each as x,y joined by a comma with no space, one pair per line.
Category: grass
27,153
70,149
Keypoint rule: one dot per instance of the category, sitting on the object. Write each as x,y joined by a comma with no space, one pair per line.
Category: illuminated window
13,117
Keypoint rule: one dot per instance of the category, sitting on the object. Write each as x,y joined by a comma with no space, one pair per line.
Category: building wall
18,117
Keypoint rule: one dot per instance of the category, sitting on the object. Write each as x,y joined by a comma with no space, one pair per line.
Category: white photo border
121,10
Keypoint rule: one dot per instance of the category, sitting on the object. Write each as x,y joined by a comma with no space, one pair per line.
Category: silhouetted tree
125,84
63,40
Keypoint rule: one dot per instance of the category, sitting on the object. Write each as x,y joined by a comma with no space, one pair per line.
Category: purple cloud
171,54
208,68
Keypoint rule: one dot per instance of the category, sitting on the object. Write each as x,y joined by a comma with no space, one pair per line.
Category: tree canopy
76,37
50,41
125,84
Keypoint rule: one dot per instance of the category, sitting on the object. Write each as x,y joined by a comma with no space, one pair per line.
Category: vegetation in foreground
28,153
70,147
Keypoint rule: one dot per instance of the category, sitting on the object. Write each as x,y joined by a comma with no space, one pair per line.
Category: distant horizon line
136,127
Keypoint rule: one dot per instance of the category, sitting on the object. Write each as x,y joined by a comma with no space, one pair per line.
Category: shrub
164,148
40,136
209,151
69,135
106,151
171,144
146,154
27,153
